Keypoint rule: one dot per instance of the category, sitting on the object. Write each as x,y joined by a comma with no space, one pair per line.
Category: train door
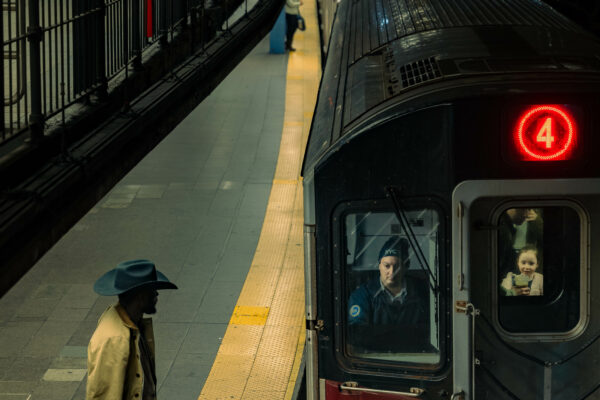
525,291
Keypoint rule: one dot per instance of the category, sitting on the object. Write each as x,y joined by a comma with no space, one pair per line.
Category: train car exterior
326,14
454,143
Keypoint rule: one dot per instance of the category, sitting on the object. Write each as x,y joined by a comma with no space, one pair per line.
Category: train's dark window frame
358,364
543,336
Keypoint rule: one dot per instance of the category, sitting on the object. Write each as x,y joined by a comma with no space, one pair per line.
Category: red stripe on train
149,18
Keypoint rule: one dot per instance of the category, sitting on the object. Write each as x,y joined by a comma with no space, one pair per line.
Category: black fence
58,53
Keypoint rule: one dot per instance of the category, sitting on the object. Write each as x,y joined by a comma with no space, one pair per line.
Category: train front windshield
391,270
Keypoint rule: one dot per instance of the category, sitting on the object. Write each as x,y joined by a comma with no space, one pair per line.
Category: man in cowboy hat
121,350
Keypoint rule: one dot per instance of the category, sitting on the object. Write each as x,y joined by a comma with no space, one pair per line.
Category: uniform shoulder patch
354,310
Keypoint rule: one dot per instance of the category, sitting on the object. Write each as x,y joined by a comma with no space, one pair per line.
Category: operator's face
391,271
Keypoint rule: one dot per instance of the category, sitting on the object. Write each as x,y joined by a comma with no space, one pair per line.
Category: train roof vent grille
419,71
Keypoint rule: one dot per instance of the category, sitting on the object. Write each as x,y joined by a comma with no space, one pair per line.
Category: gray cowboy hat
129,275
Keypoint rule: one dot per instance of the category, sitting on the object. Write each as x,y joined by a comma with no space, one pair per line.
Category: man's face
391,271
149,298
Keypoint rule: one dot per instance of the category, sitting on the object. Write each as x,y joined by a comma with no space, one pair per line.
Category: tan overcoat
114,366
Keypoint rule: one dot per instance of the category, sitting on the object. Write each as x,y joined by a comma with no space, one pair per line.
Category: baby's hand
521,291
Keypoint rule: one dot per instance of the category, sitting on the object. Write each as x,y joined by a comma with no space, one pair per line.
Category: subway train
455,144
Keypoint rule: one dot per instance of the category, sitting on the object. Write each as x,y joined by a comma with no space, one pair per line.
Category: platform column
34,35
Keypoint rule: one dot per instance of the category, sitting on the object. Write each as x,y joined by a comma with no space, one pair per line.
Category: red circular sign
545,133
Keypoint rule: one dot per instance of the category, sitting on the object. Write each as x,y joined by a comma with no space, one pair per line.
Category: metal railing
58,53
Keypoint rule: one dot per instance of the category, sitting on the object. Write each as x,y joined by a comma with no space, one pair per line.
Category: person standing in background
292,10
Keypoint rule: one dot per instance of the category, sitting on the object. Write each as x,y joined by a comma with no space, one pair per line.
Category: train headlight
545,132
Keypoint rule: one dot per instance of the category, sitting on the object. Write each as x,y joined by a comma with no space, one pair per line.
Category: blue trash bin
277,35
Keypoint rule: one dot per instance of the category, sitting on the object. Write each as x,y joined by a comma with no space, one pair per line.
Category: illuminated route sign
545,133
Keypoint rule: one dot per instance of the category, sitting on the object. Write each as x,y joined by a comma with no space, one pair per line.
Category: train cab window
539,269
392,306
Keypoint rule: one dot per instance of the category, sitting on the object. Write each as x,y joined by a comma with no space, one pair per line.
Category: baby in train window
527,282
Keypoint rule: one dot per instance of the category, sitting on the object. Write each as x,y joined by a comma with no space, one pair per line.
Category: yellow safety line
260,354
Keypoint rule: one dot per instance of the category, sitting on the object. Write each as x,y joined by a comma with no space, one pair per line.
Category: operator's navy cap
395,247
128,275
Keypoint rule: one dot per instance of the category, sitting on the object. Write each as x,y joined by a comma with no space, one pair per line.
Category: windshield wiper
414,244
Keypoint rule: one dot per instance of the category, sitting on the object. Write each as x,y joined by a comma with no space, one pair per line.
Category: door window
539,269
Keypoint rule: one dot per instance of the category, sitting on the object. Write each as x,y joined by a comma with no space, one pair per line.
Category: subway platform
217,205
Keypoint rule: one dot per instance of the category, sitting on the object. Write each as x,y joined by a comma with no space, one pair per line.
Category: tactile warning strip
248,315
260,354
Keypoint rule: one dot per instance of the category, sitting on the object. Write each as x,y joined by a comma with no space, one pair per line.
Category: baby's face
527,262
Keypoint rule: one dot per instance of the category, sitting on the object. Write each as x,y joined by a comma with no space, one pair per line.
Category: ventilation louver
419,71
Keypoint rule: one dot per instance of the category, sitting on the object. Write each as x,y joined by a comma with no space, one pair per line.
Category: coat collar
400,297
125,317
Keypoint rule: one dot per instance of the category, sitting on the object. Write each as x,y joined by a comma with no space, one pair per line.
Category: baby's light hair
527,248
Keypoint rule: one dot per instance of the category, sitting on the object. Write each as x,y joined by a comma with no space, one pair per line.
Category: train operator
121,350
391,310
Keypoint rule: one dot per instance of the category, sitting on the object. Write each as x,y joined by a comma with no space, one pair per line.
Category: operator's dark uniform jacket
375,319
369,304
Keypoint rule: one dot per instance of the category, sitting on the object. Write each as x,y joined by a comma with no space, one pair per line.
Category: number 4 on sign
545,133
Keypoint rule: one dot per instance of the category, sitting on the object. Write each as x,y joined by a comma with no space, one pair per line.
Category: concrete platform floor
195,206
